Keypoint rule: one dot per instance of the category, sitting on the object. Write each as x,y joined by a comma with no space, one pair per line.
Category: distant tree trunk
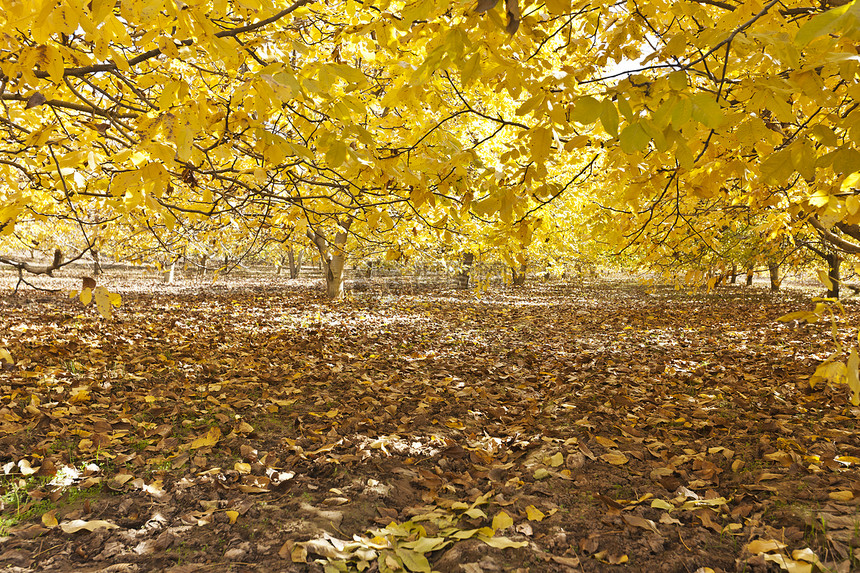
170,274
734,273
368,272
97,267
295,263
332,257
833,263
750,276
518,275
204,260
775,281
462,279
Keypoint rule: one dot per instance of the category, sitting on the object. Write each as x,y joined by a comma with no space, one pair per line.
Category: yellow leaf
764,546
413,560
789,565
4,355
49,519
80,396
242,467
558,7
852,376
534,514
86,296
299,554
843,495
606,442
660,504
830,371
209,439
614,458
103,302
502,521
556,460
502,542
232,515
541,138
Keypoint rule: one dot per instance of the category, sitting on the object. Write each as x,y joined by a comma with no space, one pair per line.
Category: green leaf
678,80
587,110
609,117
633,138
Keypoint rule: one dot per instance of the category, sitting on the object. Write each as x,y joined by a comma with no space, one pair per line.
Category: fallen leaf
637,521
614,458
76,525
49,519
764,546
208,439
502,521
534,514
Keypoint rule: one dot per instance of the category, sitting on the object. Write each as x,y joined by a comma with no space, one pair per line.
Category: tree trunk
462,279
518,275
750,276
170,275
734,273
332,258
295,263
775,281
833,263
97,267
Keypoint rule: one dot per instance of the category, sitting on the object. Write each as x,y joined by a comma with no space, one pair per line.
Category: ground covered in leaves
586,427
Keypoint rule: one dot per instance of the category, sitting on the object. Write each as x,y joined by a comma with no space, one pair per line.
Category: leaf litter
554,428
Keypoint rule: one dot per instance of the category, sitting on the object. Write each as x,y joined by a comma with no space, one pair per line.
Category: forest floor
253,426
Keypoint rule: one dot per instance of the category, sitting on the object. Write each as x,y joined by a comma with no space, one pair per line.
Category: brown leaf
484,5
514,16
35,100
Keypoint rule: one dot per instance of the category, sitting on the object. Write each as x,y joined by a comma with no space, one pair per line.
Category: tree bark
295,263
332,257
775,280
170,274
734,273
462,279
97,267
518,275
750,276
833,263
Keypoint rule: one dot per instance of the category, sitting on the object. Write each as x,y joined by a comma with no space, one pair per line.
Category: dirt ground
253,426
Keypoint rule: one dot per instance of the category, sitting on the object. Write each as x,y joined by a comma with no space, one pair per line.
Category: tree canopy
663,130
